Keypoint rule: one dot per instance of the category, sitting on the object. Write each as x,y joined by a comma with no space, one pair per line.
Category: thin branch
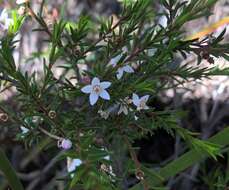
136,161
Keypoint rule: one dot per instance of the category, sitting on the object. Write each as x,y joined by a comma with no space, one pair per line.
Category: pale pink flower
66,144
121,70
140,103
97,89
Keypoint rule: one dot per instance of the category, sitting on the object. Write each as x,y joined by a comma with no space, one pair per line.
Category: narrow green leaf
9,172
188,159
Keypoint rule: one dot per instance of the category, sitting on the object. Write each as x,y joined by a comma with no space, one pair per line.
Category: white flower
96,90
113,62
24,130
123,109
140,103
107,157
136,118
104,114
127,100
128,69
72,164
21,1
121,70
123,106
5,21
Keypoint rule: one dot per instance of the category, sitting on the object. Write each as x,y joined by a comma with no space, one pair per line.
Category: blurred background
205,101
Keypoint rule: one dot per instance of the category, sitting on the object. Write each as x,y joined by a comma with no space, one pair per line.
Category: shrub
101,103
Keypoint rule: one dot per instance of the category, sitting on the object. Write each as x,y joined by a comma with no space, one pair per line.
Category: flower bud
52,114
66,144
4,117
139,175
86,80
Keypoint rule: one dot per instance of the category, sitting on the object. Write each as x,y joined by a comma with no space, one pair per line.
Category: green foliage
9,172
59,108
188,159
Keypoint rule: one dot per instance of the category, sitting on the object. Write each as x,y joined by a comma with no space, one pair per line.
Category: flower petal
107,157
145,98
128,69
87,89
104,94
93,98
146,107
2,27
113,62
105,84
24,130
136,118
95,81
21,1
4,15
8,22
135,99
119,73
125,110
72,164
120,110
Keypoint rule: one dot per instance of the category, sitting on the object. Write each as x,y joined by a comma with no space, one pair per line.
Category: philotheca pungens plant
117,68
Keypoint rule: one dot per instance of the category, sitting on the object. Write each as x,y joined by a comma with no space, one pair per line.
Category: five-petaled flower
121,70
140,103
126,68
97,89
123,109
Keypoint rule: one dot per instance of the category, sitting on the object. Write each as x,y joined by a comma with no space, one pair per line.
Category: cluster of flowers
99,89
96,89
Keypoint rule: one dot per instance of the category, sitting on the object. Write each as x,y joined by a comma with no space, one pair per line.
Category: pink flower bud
86,80
66,144
4,117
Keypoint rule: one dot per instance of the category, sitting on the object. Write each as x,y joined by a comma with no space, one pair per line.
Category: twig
136,161
49,134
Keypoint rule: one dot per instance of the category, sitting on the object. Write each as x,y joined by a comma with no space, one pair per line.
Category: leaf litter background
206,103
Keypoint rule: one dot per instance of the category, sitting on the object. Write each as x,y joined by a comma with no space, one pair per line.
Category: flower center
142,104
97,89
